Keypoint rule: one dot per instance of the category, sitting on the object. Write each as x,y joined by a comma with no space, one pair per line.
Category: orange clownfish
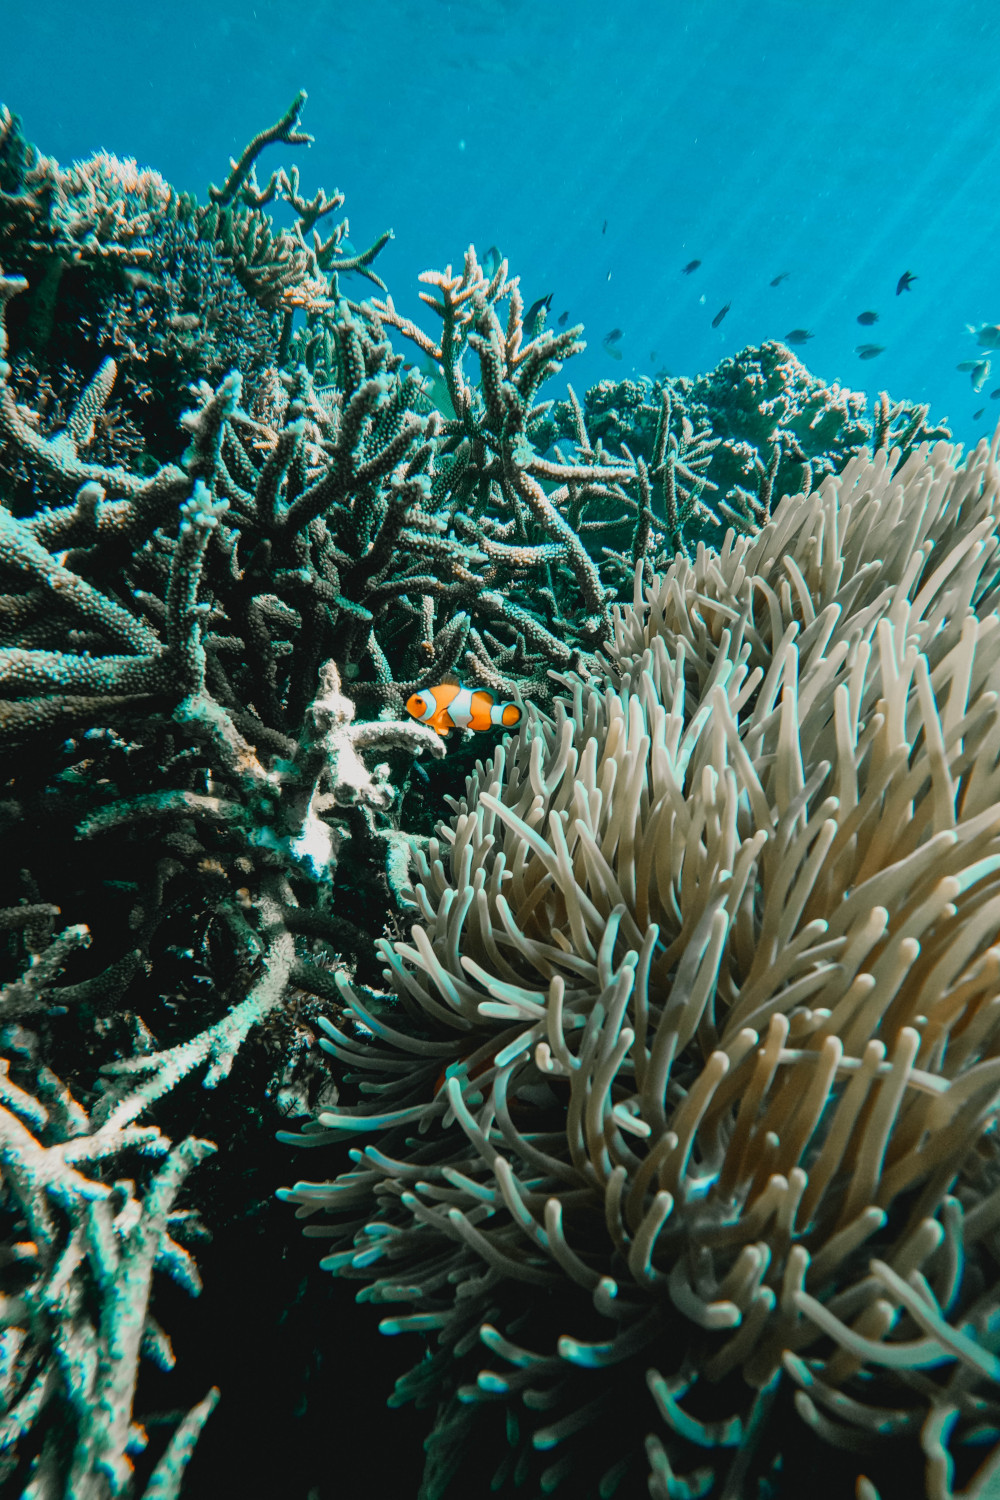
452,706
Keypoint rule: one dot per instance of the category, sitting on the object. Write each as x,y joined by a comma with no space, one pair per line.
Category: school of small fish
987,335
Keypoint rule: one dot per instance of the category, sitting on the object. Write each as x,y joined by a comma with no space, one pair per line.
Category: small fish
980,375
995,395
614,351
562,318
782,276
721,314
869,351
491,262
613,336
868,318
905,282
536,311
799,336
609,275
452,706
977,414
604,227
987,335
692,265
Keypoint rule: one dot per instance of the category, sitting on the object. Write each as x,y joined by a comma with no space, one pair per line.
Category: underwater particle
799,336
692,265
721,314
491,262
987,335
869,351
450,706
905,282
867,318
977,414
561,320
781,276
536,311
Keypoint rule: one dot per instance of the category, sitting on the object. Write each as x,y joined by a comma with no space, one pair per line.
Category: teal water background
842,142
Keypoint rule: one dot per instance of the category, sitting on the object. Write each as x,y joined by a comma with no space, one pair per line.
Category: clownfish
452,706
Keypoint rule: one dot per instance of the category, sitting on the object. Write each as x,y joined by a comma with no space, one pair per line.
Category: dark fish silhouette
491,262
782,276
561,320
868,318
977,414
536,310
905,282
869,351
799,336
613,336
604,227
692,265
721,314
995,395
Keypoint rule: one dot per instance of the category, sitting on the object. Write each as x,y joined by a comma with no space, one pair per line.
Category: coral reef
775,429
670,952
683,1113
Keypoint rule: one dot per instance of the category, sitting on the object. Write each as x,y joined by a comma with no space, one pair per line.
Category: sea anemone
685,1102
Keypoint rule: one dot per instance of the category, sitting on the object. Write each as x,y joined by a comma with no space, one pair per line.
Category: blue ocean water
602,148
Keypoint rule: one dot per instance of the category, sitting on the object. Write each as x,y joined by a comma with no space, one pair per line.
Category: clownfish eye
419,705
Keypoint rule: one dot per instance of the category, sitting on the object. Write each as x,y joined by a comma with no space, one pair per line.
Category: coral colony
662,1031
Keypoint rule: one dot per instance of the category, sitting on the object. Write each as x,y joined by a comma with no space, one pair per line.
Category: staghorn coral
771,427
182,771
175,291
79,1249
684,1097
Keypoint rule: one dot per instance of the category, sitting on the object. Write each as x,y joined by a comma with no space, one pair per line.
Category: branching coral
78,1262
175,291
775,429
685,1110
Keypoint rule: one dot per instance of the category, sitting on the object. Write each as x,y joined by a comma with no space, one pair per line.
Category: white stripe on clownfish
460,708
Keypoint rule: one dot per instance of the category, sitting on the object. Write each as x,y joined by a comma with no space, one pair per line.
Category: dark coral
777,429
